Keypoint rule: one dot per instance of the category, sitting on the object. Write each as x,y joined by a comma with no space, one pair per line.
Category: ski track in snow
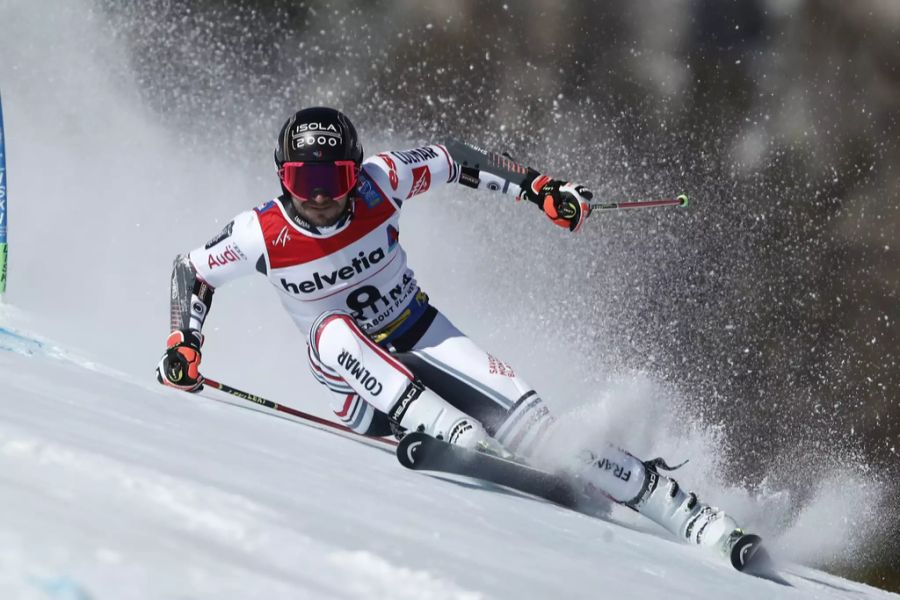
117,489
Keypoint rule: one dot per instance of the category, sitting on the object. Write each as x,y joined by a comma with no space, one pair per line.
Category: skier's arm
191,296
238,250
566,204
401,174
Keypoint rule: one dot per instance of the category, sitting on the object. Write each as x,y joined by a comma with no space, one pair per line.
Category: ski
744,549
421,452
748,556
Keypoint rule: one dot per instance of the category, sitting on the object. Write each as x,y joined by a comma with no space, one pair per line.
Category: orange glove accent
550,209
180,365
566,204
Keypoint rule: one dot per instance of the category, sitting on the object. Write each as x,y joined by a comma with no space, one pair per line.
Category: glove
565,203
180,365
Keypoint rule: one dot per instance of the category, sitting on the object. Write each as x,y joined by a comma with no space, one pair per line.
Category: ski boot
663,501
641,486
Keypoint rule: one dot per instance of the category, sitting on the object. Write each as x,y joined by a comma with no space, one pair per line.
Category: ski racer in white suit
329,245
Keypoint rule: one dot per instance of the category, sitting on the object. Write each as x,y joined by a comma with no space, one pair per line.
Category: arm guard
191,296
482,169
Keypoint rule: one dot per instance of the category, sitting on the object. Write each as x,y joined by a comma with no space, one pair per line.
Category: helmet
318,152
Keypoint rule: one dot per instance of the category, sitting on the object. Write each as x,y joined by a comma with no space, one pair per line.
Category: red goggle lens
306,180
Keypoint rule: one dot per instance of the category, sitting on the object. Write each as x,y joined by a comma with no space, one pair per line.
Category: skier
329,245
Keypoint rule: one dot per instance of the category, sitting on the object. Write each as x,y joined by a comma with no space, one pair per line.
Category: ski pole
681,200
288,410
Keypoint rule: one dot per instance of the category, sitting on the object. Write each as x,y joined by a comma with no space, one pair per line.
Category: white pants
368,380
443,359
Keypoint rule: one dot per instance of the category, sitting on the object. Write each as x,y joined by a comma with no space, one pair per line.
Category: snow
114,487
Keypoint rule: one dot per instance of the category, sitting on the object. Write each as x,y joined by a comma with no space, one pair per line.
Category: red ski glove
180,365
566,204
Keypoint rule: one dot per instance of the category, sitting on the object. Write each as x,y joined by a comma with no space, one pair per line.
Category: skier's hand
180,365
566,204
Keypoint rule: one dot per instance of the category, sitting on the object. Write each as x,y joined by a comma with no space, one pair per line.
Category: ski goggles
305,180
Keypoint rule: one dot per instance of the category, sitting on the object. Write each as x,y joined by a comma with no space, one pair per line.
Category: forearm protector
482,169
191,296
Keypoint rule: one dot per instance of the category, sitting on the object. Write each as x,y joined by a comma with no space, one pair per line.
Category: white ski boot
420,409
640,485
663,501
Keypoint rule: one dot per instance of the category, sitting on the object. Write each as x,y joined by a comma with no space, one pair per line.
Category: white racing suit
390,358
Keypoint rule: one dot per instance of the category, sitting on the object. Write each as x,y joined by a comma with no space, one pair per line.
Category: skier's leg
348,360
490,390
512,412
353,411
478,384
655,495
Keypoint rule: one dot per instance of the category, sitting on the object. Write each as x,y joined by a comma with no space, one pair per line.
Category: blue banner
3,246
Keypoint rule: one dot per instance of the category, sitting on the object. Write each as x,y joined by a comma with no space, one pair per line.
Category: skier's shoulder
238,227
396,163
403,174
231,252
378,174
276,214
265,209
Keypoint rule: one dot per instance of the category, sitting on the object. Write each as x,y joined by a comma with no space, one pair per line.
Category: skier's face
321,210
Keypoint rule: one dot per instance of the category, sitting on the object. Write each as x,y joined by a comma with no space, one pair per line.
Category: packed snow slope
116,488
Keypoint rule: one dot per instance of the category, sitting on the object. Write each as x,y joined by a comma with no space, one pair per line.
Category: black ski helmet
317,134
